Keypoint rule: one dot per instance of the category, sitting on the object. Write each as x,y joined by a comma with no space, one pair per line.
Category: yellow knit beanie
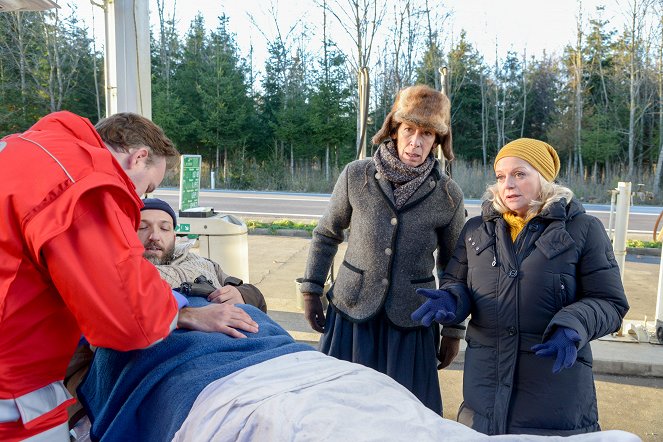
542,156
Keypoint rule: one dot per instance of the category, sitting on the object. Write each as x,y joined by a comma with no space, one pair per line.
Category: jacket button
378,176
432,184
533,227
385,282
387,251
513,273
511,330
394,221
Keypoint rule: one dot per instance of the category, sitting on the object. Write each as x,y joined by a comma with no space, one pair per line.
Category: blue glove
440,306
561,344
182,300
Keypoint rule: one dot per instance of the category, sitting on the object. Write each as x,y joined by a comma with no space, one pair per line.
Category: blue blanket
146,394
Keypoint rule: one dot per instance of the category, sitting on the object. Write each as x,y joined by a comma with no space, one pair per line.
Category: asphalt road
259,205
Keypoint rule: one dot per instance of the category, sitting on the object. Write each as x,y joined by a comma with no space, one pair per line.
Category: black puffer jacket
561,271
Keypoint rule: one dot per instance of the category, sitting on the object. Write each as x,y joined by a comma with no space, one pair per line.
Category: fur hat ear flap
447,146
385,131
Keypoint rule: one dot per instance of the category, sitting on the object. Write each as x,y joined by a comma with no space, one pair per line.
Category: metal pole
621,224
611,220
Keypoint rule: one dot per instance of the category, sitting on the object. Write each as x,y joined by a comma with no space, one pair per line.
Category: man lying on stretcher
178,266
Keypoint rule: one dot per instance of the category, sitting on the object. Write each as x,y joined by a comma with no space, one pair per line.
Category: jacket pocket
559,287
349,283
563,291
421,281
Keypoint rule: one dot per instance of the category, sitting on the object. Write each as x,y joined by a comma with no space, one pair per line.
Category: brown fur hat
423,106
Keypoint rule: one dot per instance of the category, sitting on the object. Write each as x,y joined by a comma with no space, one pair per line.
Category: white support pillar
110,72
659,304
621,223
128,71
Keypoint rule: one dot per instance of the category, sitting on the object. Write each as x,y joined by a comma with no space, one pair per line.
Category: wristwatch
231,280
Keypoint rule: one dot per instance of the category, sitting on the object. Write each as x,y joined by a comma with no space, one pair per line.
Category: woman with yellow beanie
539,278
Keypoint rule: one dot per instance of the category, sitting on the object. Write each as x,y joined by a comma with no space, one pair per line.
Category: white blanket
308,396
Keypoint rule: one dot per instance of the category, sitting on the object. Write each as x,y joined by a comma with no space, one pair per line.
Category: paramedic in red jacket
70,260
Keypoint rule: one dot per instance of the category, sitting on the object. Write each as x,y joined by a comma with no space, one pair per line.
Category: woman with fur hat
539,277
400,207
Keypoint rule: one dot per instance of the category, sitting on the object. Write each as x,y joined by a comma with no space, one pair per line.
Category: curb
643,251
280,232
600,366
299,233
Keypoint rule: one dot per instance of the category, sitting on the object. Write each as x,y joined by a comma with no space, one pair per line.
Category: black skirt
406,355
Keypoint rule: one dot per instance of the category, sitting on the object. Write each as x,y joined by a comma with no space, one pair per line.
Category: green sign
189,181
183,228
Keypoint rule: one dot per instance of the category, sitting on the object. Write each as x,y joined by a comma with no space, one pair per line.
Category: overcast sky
534,25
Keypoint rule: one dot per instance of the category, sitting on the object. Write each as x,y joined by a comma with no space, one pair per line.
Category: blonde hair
550,193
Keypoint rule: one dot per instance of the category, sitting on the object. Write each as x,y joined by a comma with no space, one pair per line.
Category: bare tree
366,17
577,65
484,117
167,34
636,14
19,40
659,163
524,79
499,87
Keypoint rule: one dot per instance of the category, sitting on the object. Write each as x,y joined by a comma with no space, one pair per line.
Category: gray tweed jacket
390,251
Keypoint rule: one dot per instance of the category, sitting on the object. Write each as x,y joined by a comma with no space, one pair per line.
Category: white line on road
300,215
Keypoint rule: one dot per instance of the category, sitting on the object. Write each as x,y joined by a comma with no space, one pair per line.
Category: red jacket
70,263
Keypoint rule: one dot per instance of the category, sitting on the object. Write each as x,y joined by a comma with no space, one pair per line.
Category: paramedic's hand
222,318
313,312
227,294
449,348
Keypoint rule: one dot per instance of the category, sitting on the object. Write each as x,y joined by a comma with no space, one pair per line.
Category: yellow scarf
515,223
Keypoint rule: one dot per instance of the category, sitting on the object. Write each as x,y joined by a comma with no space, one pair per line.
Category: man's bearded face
157,255
157,234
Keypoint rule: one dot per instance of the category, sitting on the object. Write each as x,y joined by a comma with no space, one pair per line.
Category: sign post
189,181
221,238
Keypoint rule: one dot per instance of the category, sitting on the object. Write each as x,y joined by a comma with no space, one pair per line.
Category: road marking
300,215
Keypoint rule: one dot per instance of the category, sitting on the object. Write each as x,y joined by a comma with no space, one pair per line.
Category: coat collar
434,179
558,210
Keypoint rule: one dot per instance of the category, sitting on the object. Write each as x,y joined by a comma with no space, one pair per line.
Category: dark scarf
405,179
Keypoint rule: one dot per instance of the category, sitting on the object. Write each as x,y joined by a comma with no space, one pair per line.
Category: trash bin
300,297
223,239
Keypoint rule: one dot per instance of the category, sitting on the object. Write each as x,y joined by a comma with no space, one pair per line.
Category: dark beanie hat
157,204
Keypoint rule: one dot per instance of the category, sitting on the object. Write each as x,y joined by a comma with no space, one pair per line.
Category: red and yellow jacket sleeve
117,297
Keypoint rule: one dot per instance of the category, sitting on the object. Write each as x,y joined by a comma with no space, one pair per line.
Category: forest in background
291,124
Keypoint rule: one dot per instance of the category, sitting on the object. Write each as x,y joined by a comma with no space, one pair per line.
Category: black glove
313,312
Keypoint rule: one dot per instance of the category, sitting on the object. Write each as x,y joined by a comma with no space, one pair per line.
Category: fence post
621,223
